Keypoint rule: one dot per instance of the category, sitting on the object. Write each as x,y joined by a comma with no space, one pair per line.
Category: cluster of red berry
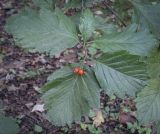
79,71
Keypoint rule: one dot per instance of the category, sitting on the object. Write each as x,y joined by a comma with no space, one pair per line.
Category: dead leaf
98,12
12,88
40,59
126,117
36,88
30,104
10,77
70,58
2,70
98,120
38,107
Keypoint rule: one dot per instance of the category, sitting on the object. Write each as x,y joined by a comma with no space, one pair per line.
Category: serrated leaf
73,97
120,73
73,4
8,125
121,8
60,73
153,65
154,70
137,43
43,31
158,127
148,107
49,4
100,24
151,14
87,24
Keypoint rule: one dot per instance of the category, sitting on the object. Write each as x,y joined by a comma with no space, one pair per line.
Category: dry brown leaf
12,88
38,107
126,117
98,120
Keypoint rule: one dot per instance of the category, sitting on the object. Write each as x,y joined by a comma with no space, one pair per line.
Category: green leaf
150,96
158,127
148,107
87,24
49,4
137,43
58,77
73,97
43,31
121,8
38,128
73,4
100,24
120,73
153,65
151,14
60,73
8,125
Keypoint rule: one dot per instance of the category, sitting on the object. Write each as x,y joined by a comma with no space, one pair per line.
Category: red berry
81,72
76,69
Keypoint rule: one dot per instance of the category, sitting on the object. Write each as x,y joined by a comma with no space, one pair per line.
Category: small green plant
91,128
137,128
119,69
38,128
65,129
31,73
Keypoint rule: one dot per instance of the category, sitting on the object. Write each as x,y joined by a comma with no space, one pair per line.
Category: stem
50,6
85,49
82,6
89,42
115,13
47,2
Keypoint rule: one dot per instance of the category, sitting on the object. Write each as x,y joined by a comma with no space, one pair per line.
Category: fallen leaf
98,12
30,104
40,59
38,107
98,120
2,70
10,77
36,88
126,117
70,58
12,88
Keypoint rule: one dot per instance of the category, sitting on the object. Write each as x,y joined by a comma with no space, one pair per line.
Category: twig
50,5
114,12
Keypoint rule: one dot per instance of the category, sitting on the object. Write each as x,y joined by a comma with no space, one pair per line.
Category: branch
114,12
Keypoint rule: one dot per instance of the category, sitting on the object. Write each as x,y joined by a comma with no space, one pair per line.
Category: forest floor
23,73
